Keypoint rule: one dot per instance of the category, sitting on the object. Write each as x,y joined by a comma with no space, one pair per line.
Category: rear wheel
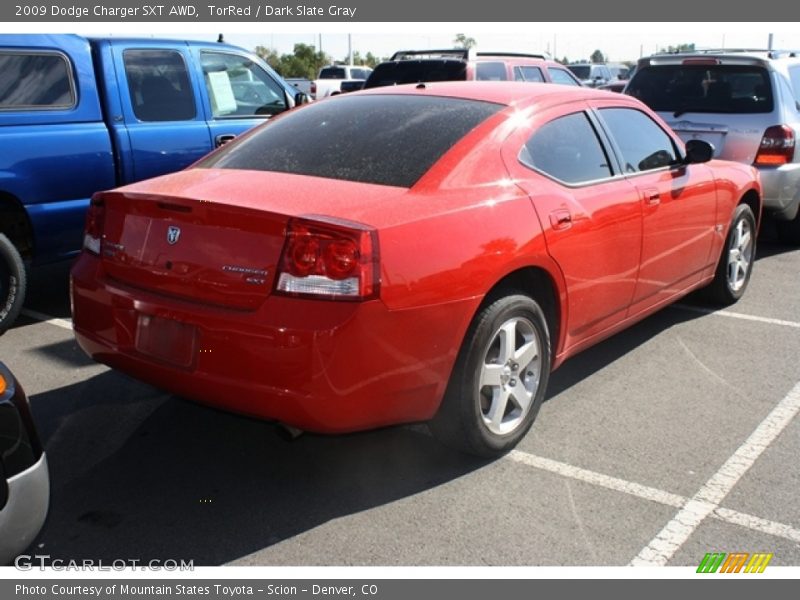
12,283
499,380
736,262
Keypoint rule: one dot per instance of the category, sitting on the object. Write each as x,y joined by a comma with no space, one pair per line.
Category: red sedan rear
409,254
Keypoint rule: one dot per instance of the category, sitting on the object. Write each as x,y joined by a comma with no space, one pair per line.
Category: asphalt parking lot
674,438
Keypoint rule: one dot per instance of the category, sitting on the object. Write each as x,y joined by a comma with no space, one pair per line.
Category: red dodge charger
415,253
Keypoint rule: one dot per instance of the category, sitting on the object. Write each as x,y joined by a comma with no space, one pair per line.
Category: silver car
24,479
746,103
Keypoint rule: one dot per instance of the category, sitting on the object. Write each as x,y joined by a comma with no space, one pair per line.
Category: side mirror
698,151
300,98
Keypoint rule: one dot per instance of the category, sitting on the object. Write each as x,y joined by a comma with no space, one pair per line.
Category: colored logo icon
735,562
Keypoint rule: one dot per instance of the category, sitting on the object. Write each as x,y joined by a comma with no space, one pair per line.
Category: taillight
329,258
777,147
313,89
93,232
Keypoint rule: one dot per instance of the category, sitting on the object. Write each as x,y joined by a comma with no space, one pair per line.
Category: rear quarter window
35,80
382,139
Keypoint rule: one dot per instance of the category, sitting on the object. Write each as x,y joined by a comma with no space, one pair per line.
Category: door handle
561,219
223,138
651,196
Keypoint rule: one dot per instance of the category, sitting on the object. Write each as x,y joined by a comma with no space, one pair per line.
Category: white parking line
653,494
736,315
33,314
675,533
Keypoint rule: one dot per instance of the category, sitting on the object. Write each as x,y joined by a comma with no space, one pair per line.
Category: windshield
382,139
703,88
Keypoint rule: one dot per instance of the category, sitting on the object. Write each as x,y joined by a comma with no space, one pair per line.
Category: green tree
462,41
305,61
597,57
678,48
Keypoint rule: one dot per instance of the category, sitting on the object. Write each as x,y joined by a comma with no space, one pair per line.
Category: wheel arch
753,199
15,224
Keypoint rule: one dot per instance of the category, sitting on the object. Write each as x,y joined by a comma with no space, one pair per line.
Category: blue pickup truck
79,115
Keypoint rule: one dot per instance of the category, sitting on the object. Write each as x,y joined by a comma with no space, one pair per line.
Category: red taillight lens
776,148
313,88
93,232
329,258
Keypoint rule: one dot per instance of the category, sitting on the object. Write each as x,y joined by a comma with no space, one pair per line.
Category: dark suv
746,103
414,66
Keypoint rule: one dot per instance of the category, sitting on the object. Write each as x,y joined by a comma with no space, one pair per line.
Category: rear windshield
703,88
414,71
581,71
332,73
382,139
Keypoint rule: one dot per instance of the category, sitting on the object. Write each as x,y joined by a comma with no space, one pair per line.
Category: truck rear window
381,139
703,88
35,80
332,73
414,71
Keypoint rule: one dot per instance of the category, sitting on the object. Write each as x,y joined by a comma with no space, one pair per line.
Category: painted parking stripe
644,492
33,314
675,533
736,315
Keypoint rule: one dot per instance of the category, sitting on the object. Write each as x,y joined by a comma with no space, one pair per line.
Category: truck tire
12,283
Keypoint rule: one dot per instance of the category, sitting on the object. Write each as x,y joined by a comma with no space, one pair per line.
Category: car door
162,128
678,204
590,214
238,93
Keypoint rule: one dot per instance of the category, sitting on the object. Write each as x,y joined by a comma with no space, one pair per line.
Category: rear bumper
316,365
781,188
23,515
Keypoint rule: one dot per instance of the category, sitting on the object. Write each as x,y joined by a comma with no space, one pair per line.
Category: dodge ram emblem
173,234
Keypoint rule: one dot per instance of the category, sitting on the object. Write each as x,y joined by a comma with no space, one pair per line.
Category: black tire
13,283
789,231
464,420
736,261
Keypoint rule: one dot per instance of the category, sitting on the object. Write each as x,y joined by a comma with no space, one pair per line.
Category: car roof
756,54
500,92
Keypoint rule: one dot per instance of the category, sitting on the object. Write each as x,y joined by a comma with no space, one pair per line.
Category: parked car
414,66
591,74
330,79
79,115
467,239
24,479
301,84
746,103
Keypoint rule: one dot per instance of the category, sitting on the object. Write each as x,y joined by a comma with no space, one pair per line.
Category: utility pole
349,49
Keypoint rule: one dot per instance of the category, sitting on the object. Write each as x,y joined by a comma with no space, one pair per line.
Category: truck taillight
776,148
313,88
93,232
329,258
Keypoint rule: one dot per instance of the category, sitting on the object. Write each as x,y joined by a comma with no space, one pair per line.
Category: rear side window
382,139
523,73
359,73
35,80
159,85
703,88
414,71
644,145
581,71
568,149
490,71
562,77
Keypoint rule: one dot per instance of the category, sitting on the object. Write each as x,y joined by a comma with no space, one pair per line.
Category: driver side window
238,87
643,144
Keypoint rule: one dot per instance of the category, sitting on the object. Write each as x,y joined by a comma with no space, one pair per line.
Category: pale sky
618,41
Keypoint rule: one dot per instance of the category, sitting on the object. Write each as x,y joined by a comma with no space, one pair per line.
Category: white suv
746,103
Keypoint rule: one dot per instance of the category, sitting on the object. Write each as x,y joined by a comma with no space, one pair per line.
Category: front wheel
499,380
736,262
12,283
